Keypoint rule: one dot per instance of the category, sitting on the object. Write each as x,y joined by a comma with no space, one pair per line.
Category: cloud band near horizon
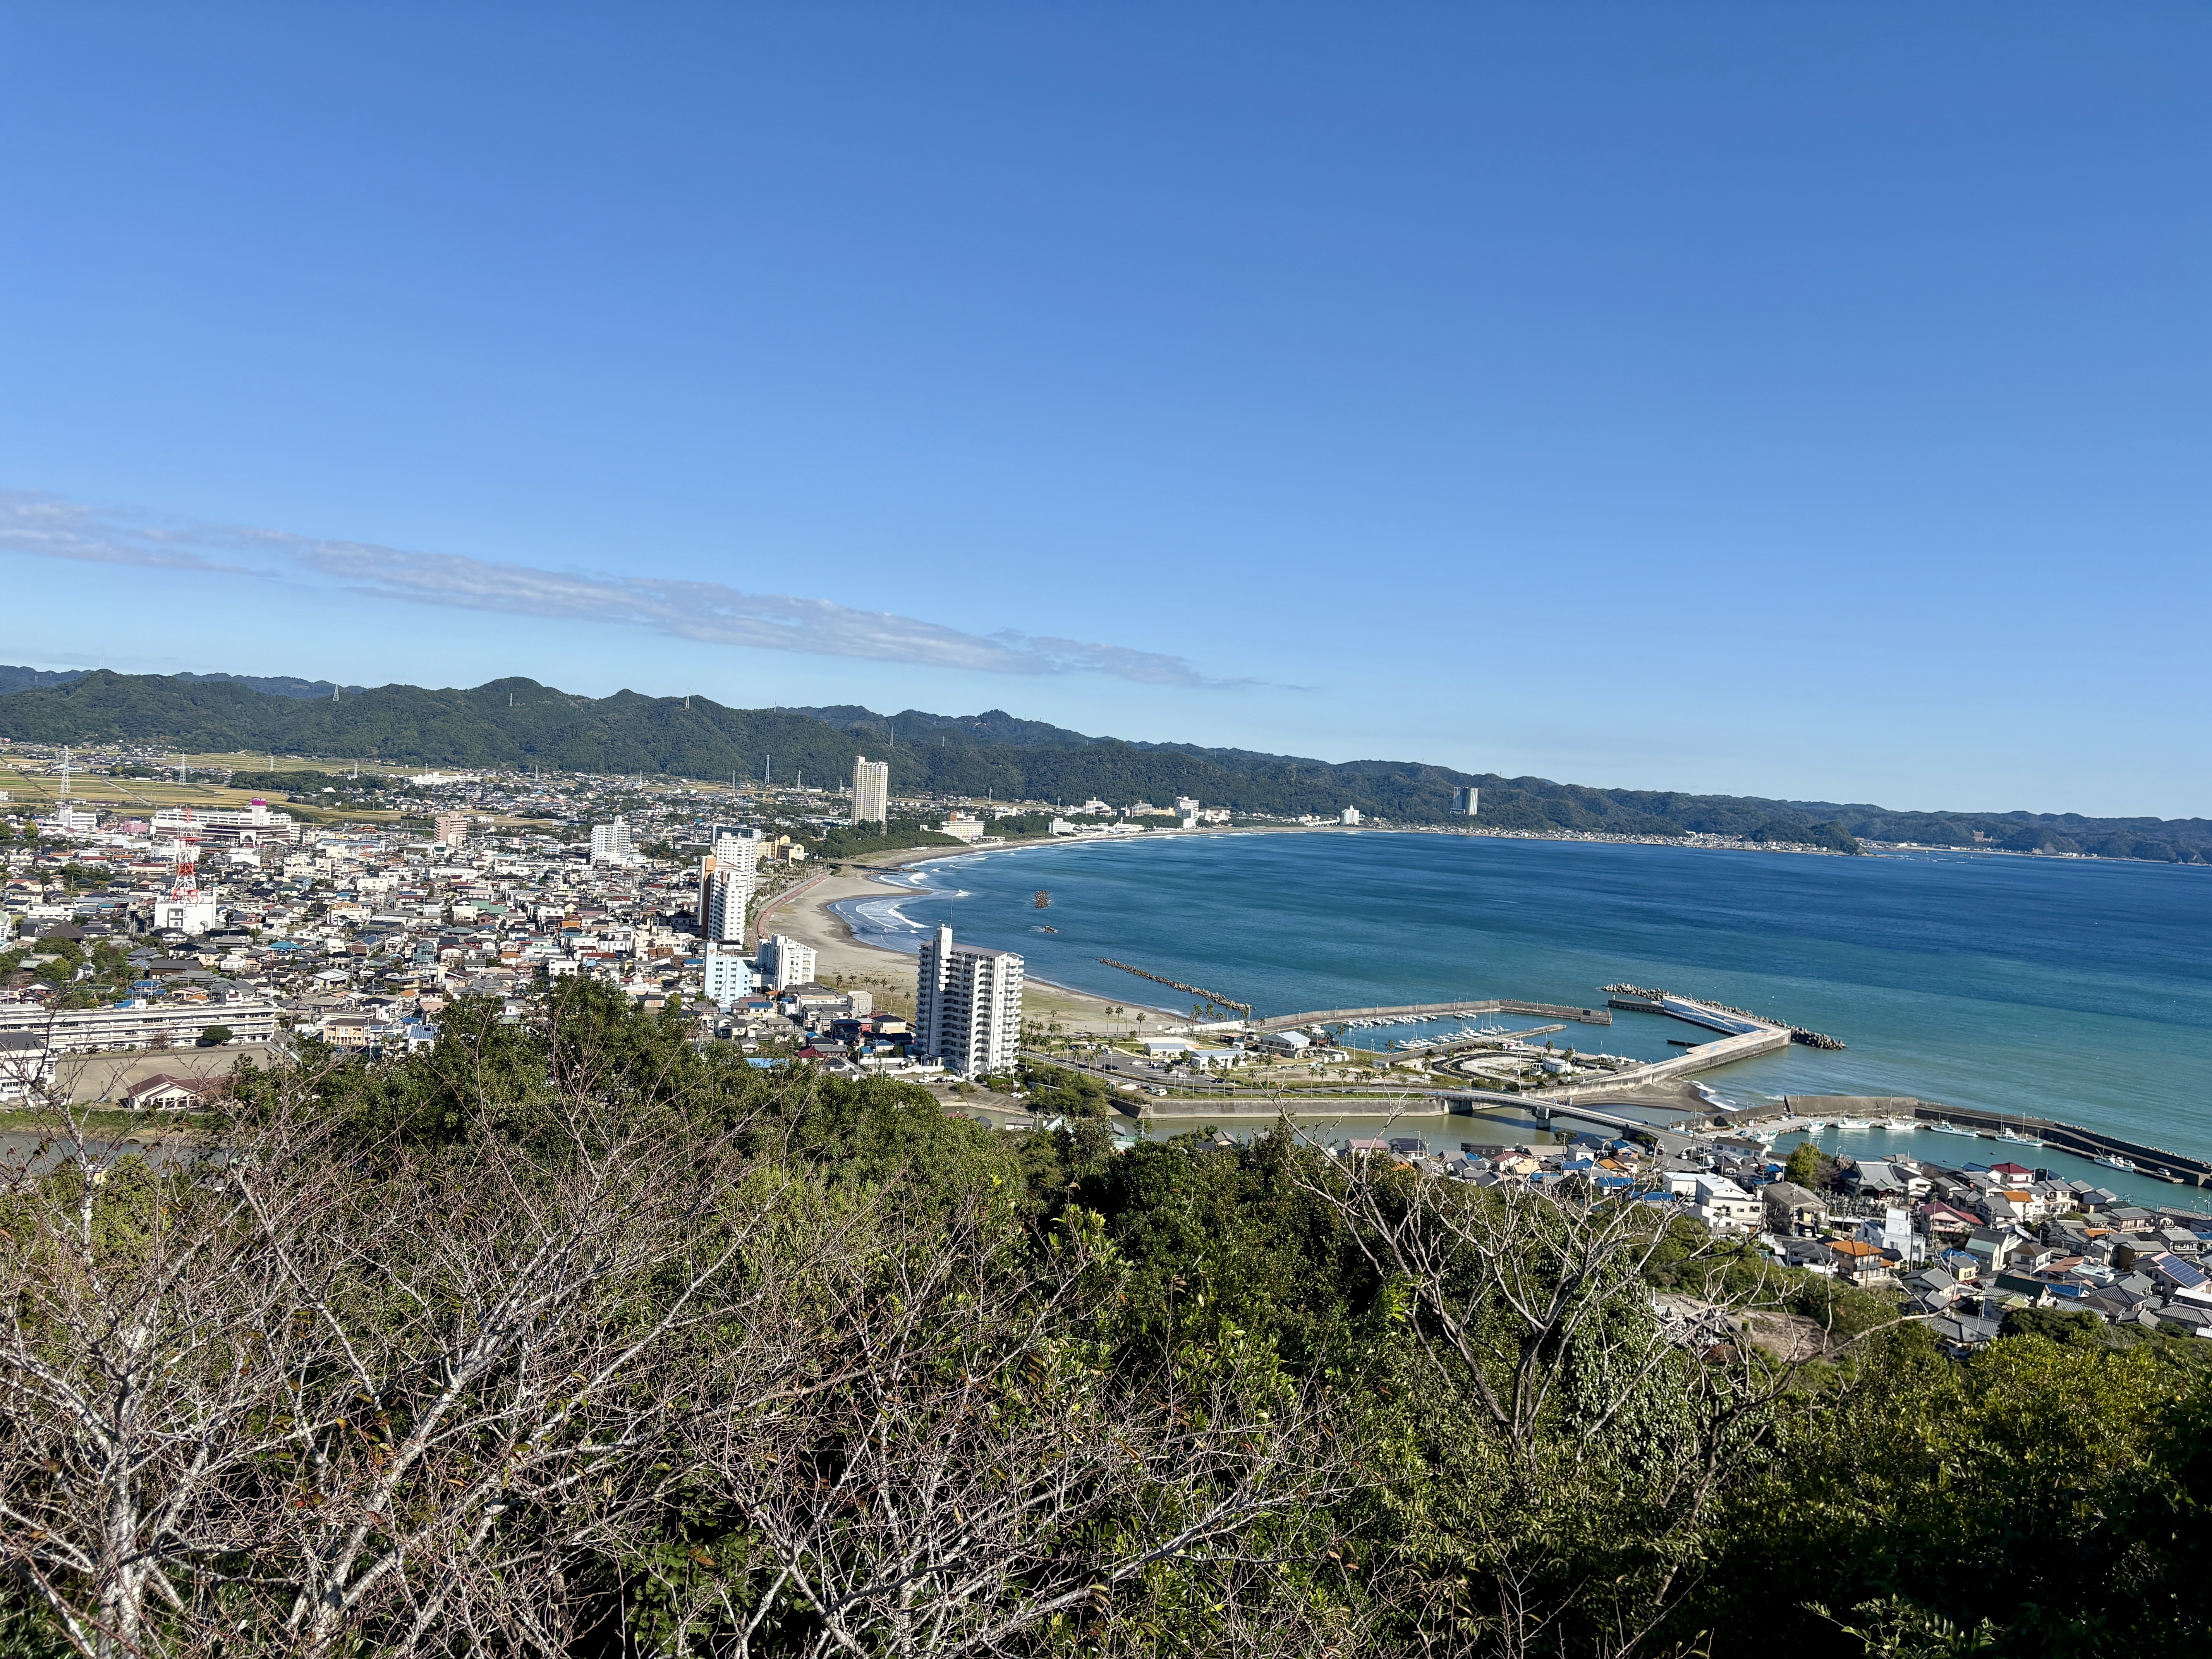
51,526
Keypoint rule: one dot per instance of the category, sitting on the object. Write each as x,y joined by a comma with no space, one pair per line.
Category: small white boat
1948,1129
2018,1140
1853,1123
2114,1160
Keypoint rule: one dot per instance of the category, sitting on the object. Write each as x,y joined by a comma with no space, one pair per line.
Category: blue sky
1780,399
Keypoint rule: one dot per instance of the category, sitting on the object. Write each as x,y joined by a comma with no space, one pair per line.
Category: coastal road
1225,1100
1125,1068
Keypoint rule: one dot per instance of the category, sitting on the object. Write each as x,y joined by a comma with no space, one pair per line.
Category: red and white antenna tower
187,885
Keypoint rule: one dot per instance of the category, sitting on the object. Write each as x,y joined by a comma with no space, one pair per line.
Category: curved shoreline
805,911
1971,1044
810,914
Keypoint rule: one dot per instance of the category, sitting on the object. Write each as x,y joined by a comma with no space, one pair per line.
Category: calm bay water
2075,989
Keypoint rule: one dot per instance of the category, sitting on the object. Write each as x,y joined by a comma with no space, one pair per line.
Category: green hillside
520,723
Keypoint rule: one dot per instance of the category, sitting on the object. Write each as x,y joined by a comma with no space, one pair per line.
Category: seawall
1439,1011
2177,1167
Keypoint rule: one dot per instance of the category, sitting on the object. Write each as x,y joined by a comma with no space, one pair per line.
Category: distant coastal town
169,918
167,901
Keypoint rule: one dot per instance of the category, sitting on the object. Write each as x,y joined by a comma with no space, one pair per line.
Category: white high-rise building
611,842
1351,815
727,877
729,977
1467,801
784,961
724,896
871,792
967,1005
739,848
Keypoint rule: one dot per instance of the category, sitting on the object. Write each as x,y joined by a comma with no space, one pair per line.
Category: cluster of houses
1971,1242
363,935
1621,1165
1961,1246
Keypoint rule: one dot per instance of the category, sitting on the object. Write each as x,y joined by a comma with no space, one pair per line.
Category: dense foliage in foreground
575,1337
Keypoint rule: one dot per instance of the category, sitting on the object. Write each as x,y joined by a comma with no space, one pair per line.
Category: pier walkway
1742,1035
1745,1037
1438,1011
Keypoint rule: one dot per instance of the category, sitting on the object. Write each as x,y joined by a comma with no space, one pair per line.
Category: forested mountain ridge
281,685
520,722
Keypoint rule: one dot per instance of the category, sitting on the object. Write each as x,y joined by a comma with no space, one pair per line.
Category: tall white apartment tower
967,1005
871,792
1467,802
723,896
611,842
727,879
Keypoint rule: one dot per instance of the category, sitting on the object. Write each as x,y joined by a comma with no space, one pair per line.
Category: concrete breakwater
2176,1167
1740,1043
1439,1011
2181,1170
1742,1035
1642,998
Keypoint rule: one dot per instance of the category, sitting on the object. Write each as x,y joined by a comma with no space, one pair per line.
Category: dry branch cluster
605,1360
290,1397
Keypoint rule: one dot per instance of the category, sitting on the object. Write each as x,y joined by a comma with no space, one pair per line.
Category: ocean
2071,989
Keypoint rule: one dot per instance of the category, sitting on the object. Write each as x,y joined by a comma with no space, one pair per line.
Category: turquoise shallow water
2077,989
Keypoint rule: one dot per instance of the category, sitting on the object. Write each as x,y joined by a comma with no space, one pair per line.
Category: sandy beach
802,912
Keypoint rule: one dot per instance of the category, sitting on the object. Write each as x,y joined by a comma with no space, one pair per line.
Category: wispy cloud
58,529
52,527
